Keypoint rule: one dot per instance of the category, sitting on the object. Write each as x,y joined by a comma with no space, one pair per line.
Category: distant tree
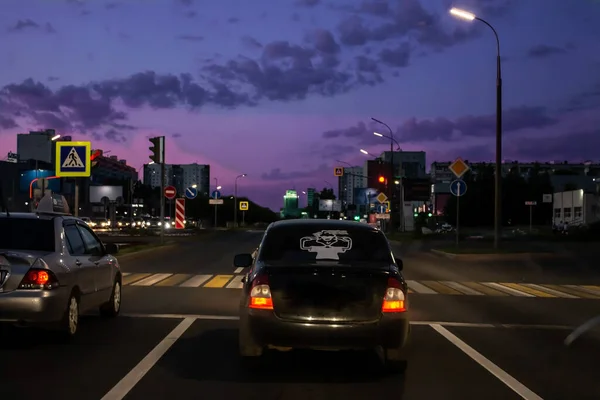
327,194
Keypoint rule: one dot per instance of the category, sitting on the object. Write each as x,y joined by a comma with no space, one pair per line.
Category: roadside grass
486,250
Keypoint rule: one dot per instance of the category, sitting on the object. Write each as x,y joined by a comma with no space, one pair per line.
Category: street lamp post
330,208
217,187
235,199
392,170
498,176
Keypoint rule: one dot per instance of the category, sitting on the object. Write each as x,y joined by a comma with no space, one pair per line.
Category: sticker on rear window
328,244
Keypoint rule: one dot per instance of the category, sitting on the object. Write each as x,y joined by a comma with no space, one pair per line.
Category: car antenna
3,201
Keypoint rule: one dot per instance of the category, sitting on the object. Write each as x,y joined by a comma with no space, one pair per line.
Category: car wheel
394,360
69,326
112,307
248,348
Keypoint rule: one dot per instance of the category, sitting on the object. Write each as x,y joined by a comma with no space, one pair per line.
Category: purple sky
279,89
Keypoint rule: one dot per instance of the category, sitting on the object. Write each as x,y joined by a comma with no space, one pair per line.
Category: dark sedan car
322,284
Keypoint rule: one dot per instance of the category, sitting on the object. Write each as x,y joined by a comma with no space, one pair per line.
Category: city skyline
280,93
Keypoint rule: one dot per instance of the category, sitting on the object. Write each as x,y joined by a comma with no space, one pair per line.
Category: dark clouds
414,130
576,146
30,25
544,51
191,38
277,175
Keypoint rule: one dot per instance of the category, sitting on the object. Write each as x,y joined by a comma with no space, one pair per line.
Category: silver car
54,268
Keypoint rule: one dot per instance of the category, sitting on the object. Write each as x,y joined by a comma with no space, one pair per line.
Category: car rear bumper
33,306
391,331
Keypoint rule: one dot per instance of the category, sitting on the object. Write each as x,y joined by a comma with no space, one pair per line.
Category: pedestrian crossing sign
73,159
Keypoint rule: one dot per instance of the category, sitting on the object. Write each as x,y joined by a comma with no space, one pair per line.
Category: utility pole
158,157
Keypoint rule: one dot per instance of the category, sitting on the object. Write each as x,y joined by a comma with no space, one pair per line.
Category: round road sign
170,192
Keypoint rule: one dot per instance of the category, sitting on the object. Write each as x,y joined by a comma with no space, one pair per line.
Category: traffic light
381,179
157,149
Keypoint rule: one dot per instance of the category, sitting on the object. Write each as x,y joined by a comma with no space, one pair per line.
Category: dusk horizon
283,92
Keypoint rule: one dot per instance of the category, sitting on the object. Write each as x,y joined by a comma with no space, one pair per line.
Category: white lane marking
462,288
492,368
125,385
236,282
416,323
184,316
151,280
507,289
196,281
238,270
419,288
550,291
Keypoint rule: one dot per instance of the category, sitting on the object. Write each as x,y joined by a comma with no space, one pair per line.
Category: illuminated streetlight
498,176
462,14
364,152
377,134
219,187
55,137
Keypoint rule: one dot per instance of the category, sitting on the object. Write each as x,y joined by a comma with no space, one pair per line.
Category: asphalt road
481,331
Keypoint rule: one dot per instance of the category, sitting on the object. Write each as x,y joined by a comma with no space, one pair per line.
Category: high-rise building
290,204
181,176
352,179
310,197
39,145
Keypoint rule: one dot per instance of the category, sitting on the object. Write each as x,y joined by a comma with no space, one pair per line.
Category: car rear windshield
313,243
27,234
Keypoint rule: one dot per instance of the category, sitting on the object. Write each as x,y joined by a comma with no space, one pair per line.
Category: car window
316,243
32,234
93,245
74,241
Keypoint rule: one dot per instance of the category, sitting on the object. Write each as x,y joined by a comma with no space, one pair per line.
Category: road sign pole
530,218
243,218
76,213
235,205
457,214
162,197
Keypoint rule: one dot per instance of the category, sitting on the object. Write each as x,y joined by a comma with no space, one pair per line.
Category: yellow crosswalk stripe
497,289
218,281
593,288
440,288
174,280
572,292
129,279
486,290
589,294
523,288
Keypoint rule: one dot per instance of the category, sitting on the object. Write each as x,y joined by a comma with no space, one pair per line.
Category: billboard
28,176
330,205
365,196
98,192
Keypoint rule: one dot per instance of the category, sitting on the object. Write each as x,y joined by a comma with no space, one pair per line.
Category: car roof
36,215
323,224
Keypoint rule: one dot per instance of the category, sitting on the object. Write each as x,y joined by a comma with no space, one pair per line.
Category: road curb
493,257
146,251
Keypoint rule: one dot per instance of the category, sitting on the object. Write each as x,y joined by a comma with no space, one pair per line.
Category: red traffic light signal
381,179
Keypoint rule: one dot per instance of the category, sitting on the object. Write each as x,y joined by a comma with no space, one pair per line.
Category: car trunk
328,293
13,267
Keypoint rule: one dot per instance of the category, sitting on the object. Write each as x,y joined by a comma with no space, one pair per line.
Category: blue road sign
381,208
191,193
458,187
215,194
73,159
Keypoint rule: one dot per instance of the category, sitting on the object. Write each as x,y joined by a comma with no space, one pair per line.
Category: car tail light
394,300
260,294
39,278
